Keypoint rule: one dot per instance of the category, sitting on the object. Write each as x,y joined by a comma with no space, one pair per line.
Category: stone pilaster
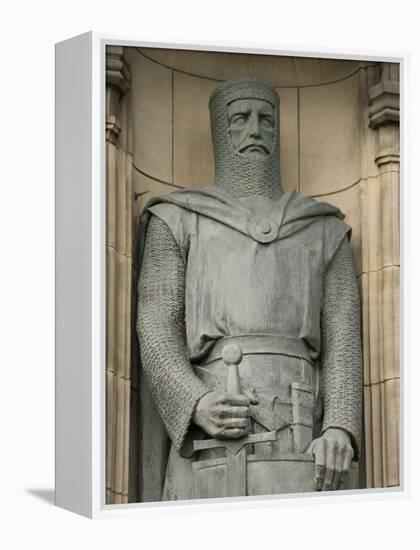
380,285
118,277
117,85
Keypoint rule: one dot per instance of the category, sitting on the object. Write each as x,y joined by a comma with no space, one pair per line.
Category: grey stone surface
243,263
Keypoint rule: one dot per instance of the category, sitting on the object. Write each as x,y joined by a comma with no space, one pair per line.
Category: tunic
251,274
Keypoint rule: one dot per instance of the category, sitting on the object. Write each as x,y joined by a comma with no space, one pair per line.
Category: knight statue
248,322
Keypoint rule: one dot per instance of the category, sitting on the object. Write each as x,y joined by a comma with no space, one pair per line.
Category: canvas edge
73,272
95,409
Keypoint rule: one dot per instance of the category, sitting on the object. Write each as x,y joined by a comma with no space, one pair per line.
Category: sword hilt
232,356
236,456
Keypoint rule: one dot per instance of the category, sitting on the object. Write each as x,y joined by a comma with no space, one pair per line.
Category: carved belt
254,344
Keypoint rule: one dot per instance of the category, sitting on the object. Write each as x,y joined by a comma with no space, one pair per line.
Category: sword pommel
232,354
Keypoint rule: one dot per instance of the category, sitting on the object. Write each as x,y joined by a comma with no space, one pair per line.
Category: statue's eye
238,119
267,122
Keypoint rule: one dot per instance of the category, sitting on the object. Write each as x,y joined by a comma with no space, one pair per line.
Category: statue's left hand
333,453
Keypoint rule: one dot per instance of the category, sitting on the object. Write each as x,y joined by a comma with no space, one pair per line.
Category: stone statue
249,322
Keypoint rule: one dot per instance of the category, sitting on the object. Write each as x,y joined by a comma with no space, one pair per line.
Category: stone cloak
290,217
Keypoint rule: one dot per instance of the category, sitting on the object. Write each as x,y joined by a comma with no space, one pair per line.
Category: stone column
380,285
118,276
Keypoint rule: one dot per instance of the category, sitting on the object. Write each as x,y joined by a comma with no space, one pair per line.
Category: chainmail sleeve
341,359
161,332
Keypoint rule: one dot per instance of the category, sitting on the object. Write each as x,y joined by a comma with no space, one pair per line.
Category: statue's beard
252,170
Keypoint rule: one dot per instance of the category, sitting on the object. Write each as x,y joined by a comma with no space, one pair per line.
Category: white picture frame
80,276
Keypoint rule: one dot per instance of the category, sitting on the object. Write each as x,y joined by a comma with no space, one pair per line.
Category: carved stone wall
118,275
338,143
381,281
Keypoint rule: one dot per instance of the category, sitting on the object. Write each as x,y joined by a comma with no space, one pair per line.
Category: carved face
251,126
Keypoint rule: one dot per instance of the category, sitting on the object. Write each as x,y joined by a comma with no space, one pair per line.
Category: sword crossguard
234,445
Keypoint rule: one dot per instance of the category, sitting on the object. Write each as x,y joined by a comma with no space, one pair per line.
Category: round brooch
262,230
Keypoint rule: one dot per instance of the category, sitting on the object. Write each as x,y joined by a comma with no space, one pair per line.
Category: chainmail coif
239,174
161,323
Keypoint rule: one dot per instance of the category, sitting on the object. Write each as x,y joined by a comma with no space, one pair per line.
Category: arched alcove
339,142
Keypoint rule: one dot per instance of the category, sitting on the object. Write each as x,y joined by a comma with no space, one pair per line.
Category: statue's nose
254,127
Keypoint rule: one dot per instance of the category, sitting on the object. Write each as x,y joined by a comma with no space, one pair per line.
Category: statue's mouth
255,148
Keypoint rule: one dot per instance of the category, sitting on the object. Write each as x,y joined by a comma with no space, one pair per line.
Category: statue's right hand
224,415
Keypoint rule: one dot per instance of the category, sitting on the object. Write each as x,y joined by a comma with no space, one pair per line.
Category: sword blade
236,482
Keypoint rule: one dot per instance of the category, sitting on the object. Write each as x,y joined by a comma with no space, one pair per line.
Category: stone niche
339,142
